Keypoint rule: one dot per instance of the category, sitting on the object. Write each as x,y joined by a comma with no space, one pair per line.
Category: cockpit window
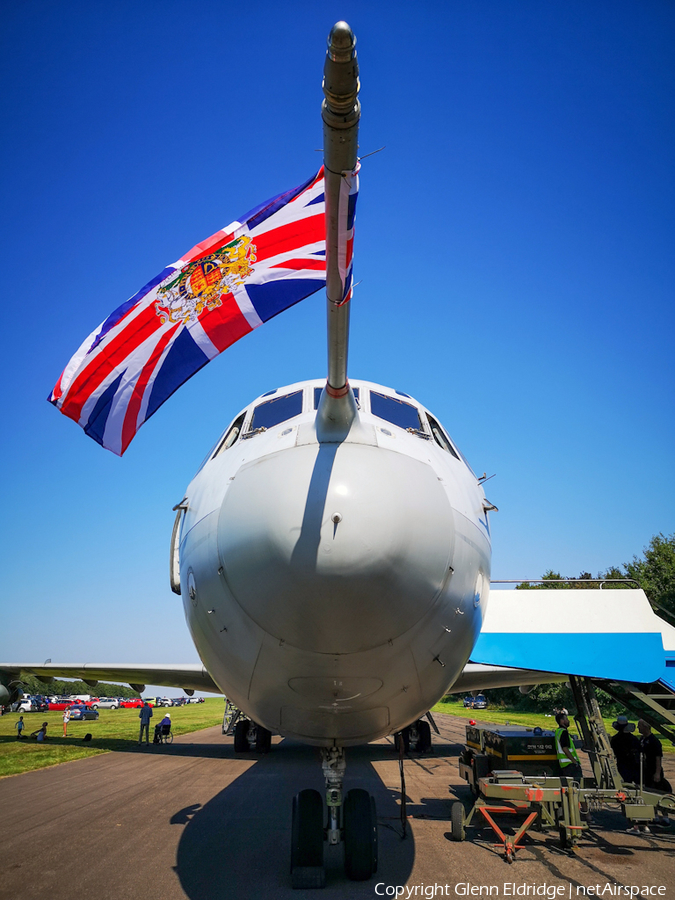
395,411
317,396
272,412
440,436
231,434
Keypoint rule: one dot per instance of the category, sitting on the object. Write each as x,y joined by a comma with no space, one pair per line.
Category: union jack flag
221,290
349,192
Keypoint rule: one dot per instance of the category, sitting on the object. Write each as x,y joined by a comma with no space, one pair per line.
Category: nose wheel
360,828
307,869
352,823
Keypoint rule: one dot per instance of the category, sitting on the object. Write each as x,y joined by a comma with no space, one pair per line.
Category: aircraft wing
476,677
189,678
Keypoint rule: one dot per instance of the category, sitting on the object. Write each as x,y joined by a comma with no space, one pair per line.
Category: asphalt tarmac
191,820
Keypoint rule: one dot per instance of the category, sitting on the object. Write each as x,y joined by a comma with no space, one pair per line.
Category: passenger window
231,435
272,412
395,411
317,396
440,436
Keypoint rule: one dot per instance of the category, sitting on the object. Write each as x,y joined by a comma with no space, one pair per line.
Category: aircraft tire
424,731
241,736
360,823
373,812
307,869
457,820
263,740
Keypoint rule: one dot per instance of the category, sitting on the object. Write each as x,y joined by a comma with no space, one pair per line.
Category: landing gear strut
352,821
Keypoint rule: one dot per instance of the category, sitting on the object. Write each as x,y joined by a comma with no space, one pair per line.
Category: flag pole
340,112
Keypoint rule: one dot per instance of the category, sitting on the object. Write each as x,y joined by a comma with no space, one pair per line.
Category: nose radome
335,548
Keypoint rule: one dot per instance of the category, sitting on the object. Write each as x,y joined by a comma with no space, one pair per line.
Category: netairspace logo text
511,889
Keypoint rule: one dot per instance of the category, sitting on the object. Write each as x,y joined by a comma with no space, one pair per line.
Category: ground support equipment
551,802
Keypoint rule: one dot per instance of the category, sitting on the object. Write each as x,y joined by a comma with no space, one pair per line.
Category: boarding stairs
655,702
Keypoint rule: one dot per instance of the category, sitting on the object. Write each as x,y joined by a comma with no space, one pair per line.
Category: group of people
40,734
145,715
630,751
639,761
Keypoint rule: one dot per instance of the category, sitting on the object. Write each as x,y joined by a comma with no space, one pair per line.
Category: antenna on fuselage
340,112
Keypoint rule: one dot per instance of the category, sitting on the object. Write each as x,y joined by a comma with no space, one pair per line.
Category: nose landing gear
352,822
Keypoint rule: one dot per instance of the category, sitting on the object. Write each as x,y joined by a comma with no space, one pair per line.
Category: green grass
115,729
500,716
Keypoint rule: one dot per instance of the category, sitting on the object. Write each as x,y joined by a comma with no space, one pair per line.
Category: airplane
333,557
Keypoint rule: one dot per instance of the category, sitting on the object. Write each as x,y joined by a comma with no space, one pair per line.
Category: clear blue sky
515,248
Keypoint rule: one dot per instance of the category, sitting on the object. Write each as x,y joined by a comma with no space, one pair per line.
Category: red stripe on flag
308,263
130,426
289,237
225,324
106,358
58,390
210,245
349,251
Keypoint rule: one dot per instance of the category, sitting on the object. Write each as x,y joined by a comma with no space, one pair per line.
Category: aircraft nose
335,548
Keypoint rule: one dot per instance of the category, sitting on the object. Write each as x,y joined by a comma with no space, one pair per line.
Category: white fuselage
334,591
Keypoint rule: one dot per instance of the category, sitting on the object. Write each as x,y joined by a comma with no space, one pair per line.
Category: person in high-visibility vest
570,767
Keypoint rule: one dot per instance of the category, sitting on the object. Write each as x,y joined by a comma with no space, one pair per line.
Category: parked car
79,712
132,703
60,703
105,703
195,700
163,701
477,702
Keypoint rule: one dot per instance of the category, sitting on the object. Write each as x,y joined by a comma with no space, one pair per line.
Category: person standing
19,728
66,719
652,751
145,715
626,749
570,767
652,773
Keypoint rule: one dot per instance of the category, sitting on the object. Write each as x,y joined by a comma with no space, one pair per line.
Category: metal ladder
655,703
595,737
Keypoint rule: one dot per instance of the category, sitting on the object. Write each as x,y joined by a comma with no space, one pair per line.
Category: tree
554,581
33,685
655,572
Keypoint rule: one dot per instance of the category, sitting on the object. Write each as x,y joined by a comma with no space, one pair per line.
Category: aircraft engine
10,692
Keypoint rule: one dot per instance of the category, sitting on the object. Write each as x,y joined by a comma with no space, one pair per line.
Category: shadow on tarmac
238,844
